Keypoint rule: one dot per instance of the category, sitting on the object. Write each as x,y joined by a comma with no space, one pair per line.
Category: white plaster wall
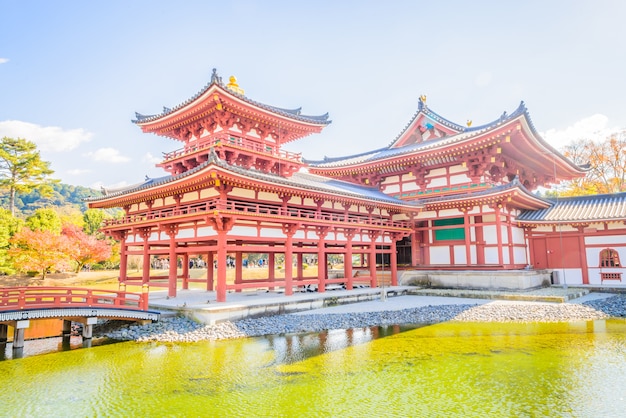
438,182
439,255
460,256
518,236
208,193
299,235
189,197
239,192
410,186
572,276
458,169
244,231
506,259
269,197
459,179
392,188
490,234
607,240
426,215
271,233
519,255
437,172
391,179
206,231
450,212
491,255
185,233
616,226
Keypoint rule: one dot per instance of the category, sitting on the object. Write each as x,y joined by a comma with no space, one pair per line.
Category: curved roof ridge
427,111
217,80
345,157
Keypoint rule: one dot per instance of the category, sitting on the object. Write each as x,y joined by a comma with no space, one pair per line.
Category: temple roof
216,82
513,191
299,180
462,133
579,209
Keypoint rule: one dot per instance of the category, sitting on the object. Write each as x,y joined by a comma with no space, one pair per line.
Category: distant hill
64,195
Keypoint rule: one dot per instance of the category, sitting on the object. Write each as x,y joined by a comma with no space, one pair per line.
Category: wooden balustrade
241,143
16,298
253,208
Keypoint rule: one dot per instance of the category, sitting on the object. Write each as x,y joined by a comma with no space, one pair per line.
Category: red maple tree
39,251
84,249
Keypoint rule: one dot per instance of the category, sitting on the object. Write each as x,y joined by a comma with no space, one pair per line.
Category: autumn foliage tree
39,251
607,160
84,249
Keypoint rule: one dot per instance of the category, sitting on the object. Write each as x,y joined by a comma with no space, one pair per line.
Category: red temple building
440,200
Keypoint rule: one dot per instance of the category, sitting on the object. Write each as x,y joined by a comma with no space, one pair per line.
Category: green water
446,370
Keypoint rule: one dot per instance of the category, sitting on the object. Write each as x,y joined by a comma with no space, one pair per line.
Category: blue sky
73,73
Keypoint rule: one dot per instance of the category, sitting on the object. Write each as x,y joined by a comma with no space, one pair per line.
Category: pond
448,369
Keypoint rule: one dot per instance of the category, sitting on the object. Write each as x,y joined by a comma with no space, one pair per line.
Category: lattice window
609,258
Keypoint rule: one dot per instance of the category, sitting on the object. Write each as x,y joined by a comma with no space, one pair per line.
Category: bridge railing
14,298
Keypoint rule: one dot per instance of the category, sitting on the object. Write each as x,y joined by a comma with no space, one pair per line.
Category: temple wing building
442,196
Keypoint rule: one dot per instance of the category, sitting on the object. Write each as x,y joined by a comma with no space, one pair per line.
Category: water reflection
450,369
291,348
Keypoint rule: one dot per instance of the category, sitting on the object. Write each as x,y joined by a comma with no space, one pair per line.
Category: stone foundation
468,279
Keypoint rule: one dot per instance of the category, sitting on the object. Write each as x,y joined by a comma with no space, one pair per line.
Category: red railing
256,209
241,143
14,298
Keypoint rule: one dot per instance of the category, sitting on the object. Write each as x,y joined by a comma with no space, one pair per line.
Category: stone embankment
180,329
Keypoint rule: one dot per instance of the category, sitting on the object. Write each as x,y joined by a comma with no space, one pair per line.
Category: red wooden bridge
20,305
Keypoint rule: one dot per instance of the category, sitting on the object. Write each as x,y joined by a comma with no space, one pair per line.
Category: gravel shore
181,329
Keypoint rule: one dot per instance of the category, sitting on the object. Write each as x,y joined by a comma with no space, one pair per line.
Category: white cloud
149,158
77,172
47,138
109,155
483,79
4,60
593,127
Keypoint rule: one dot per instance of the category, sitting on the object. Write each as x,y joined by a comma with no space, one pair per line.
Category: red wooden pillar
210,268
372,257
393,260
121,236
289,231
583,254
347,259
499,232
509,231
468,236
271,267
172,230
186,271
321,231
145,273
238,269
221,266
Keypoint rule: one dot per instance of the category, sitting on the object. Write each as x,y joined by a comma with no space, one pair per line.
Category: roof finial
233,86
422,102
469,123
216,78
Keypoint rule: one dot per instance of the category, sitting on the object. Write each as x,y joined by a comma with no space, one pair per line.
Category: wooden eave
515,197
212,175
